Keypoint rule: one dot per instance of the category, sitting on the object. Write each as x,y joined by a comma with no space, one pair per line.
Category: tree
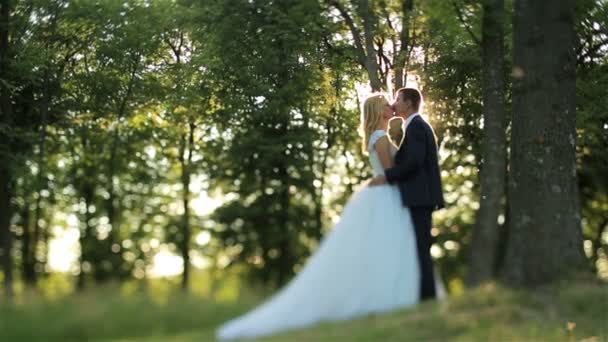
545,240
383,35
493,167
268,131
453,89
6,125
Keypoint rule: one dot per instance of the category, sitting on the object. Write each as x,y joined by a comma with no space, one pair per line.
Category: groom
416,173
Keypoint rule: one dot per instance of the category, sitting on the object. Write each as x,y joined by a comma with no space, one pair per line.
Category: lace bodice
373,155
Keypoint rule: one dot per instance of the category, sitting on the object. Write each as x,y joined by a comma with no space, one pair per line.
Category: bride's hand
380,180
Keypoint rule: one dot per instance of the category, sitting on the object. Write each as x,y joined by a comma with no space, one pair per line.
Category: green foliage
107,95
452,89
267,126
592,132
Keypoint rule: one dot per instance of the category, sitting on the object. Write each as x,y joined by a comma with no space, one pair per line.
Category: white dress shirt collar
407,121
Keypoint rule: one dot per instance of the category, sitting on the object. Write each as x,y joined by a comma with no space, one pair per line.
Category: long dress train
366,264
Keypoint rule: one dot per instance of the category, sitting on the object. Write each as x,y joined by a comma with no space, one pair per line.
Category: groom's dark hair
411,94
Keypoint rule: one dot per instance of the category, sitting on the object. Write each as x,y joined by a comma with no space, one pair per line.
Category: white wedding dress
366,264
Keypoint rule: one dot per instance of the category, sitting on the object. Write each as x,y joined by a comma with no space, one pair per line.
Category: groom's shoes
428,292
427,298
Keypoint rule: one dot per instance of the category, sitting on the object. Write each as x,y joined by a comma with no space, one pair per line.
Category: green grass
107,314
567,312
486,314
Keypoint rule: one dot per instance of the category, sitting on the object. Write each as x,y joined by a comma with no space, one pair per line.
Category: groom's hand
379,180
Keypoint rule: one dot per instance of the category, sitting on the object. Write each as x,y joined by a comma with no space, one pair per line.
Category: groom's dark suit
416,173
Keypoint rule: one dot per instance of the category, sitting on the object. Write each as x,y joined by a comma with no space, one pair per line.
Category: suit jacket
416,171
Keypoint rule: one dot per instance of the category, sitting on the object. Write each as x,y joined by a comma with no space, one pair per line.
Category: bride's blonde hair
371,116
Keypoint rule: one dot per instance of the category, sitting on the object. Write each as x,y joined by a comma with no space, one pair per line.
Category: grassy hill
571,311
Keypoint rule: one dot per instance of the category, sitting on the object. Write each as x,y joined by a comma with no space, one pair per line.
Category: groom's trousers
422,219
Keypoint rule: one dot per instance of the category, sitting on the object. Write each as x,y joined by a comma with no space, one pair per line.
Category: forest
206,147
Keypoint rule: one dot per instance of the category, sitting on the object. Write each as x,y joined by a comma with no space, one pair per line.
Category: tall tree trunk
28,243
86,193
186,146
369,30
113,243
86,239
6,120
492,178
364,46
503,232
407,7
41,180
6,237
317,192
186,164
39,233
286,258
545,241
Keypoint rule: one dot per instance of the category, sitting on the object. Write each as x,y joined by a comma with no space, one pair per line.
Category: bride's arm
383,146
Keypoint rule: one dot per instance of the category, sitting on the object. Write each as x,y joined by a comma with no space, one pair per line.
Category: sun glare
63,249
166,264
363,90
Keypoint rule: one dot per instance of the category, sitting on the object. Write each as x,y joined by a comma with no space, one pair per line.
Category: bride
366,264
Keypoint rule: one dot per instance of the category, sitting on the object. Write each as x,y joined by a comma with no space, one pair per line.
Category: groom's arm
415,151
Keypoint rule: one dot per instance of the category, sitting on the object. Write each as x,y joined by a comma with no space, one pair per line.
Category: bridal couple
377,257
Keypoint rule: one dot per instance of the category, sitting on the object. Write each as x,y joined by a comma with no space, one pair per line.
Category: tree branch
361,55
464,23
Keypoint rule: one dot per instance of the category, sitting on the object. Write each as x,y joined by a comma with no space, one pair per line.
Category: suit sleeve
415,152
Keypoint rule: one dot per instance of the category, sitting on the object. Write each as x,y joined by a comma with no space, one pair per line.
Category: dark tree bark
6,121
39,232
187,145
286,258
50,86
31,276
86,194
185,161
87,238
28,245
402,55
369,31
364,46
317,193
369,40
545,241
492,177
6,235
112,206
